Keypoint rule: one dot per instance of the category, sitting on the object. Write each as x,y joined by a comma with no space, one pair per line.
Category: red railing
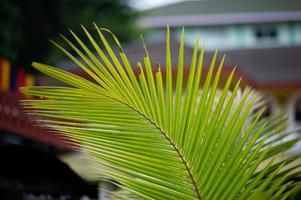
14,121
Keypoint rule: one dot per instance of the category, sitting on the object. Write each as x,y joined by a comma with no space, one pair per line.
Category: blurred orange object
4,75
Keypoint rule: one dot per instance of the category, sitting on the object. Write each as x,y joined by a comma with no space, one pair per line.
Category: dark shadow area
26,173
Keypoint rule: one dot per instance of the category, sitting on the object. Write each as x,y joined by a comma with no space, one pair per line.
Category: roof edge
218,19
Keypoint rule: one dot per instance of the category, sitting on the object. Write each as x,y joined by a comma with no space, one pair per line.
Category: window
265,33
298,111
267,110
268,103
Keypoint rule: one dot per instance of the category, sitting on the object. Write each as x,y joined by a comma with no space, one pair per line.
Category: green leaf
166,138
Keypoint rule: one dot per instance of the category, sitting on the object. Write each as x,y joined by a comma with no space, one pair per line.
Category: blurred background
261,37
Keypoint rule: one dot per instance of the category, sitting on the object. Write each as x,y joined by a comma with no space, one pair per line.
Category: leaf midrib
181,157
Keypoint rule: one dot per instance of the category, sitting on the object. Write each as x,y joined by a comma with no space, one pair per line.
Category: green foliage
161,138
27,25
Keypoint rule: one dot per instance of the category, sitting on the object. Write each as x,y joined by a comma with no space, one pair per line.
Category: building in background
230,25
261,37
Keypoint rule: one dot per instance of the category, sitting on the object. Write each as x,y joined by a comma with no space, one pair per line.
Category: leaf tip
35,64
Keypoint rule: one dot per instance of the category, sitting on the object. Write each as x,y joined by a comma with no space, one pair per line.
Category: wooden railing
14,121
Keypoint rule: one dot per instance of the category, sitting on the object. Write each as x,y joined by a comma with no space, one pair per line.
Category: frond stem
172,144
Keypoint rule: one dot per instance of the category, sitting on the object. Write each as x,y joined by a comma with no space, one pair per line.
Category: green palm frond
161,138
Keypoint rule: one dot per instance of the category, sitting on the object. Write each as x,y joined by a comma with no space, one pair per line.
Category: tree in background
27,25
